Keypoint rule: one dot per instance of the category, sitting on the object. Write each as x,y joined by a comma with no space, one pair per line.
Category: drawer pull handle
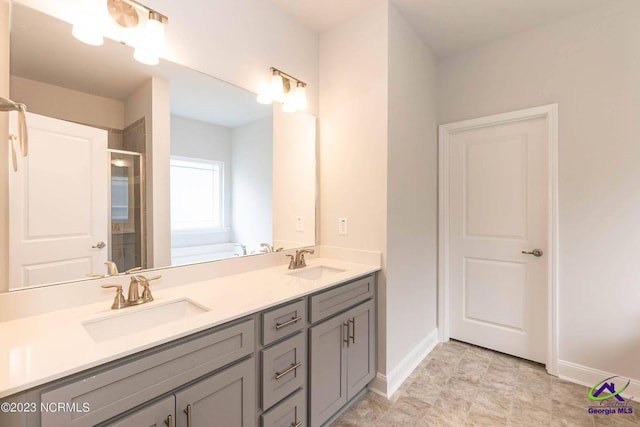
352,327
169,421
288,322
291,368
298,424
188,412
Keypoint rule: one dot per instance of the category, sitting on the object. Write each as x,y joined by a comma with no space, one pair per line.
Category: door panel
59,203
360,352
498,208
226,399
328,369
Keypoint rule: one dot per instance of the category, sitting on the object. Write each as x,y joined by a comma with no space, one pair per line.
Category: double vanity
269,347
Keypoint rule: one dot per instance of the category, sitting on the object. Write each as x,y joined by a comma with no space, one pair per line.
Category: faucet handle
131,270
144,282
291,261
118,301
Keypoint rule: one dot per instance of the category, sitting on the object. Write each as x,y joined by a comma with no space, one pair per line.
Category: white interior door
59,204
498,209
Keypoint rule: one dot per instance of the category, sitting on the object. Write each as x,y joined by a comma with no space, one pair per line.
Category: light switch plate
299,223
343,226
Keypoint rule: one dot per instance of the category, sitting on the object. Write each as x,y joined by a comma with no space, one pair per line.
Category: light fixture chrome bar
153,14
288,76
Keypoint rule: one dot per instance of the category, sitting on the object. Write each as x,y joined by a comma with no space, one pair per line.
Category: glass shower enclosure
127,190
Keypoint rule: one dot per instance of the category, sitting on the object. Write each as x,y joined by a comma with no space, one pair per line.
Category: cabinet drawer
283,369
117,389
291,412
283,321
337,299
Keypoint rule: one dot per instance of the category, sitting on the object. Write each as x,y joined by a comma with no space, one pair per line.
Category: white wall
193,138
378,167
590,66
412,190
252,172
353,141
294,178
66,104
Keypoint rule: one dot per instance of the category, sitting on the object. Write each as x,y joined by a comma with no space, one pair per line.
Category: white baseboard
587,376
386,385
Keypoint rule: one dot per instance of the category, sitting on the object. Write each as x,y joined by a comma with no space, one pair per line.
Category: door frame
550,114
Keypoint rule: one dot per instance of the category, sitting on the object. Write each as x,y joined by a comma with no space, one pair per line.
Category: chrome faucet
298,260
134,295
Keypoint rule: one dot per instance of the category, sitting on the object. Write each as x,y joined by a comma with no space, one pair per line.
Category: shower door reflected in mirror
127,209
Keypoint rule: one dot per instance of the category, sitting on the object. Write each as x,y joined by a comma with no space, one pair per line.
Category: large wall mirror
145,166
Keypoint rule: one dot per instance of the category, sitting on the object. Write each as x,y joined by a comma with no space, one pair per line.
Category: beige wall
353,140
66,104
412,190
590,66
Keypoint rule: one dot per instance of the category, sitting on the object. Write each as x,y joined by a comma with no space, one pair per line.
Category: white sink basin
316,273
141,318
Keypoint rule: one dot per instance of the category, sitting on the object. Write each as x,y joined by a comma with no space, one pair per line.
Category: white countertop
47,347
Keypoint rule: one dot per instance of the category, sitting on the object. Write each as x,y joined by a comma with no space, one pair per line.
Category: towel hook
22,140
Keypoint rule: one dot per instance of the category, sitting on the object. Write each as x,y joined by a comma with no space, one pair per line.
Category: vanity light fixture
285,89
90,26
87,24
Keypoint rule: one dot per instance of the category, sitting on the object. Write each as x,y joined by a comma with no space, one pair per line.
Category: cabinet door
328,368
361,367
226,399
159,414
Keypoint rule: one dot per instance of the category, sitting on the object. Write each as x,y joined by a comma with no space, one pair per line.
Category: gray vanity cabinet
294,365
159,414
226,399
342,360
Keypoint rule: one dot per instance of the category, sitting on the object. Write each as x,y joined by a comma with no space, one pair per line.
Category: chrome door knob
536,253
100,245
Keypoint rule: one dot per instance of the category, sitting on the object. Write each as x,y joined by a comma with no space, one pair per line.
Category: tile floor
463,385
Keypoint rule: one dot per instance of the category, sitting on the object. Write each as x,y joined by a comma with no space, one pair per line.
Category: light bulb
301,97
151,44
88,22
277,87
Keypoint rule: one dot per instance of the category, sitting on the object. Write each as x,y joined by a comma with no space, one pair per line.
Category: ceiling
447,26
